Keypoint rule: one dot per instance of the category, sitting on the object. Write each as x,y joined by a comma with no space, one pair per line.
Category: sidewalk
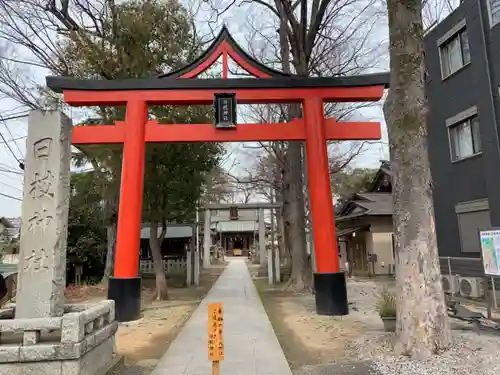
251,347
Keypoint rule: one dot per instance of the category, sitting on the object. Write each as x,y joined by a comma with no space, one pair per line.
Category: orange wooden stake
215,368
215,335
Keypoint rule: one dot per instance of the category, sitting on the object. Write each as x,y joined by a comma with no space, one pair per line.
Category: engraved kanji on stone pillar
42,264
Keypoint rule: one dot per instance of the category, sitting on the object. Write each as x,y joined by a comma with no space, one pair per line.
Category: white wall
243,214
379,241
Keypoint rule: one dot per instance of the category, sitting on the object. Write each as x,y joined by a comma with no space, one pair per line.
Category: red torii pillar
329,283
181,87
136,131
125,287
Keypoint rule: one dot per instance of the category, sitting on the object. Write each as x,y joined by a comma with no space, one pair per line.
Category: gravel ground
470,354
357,344
473,352
349,368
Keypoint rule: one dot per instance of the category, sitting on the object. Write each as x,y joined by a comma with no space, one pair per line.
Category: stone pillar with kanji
42,260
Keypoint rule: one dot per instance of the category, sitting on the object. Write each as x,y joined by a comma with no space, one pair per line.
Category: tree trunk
422,320
293,194
286,239
111,212
110,253
279,231
278,196
158,261
294,217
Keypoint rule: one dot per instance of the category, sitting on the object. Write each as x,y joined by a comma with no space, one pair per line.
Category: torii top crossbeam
178,87
182,87
278,86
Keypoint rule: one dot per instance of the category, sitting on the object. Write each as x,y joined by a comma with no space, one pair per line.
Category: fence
471,269
467,267
175,265
85,334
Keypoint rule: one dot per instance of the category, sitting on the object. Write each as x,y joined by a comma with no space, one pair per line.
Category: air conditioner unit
471,286
450,284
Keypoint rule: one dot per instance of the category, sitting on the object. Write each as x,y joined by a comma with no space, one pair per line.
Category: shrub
386,304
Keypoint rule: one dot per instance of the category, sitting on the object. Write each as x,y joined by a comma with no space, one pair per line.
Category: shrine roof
58,84
224,45
224,38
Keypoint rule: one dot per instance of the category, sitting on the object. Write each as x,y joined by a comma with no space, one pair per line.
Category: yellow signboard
215,332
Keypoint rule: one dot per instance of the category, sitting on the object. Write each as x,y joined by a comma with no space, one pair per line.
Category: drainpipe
488,74
491,87
492,100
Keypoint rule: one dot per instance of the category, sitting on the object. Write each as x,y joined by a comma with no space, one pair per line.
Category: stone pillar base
81,342
331,294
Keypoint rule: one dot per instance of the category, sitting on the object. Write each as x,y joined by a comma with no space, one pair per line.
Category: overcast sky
15,131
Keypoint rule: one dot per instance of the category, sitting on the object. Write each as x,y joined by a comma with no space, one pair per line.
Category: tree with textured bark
86,232
313,38
434,11
177,174
104,40
144,45
216,187
106,164
422,319
265,176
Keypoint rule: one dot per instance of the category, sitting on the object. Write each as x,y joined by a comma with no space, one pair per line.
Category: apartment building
463,78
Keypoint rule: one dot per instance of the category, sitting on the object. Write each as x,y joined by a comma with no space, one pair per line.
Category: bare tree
422,320
312,39
434,11
32,31
217,187
82,38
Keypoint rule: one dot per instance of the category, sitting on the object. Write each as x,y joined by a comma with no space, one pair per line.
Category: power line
16,116
10,186
12,178
16,110
17,139
10,171
10,149
23,62
20,163
13,117
7,166
11,197
12,138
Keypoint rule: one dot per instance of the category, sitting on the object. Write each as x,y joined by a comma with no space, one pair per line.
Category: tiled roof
15,230
371,204
6,222
386,166
176,231
346,231
376,203
236,226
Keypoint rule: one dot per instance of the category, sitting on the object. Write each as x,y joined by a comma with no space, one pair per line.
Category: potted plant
386,308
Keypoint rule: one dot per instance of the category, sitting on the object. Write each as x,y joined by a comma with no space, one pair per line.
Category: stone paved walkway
251,347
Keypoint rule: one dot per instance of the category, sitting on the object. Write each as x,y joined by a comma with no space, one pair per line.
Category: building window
494,11
455,53
465,140
469,225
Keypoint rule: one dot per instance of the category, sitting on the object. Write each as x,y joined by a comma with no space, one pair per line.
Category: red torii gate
182,87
